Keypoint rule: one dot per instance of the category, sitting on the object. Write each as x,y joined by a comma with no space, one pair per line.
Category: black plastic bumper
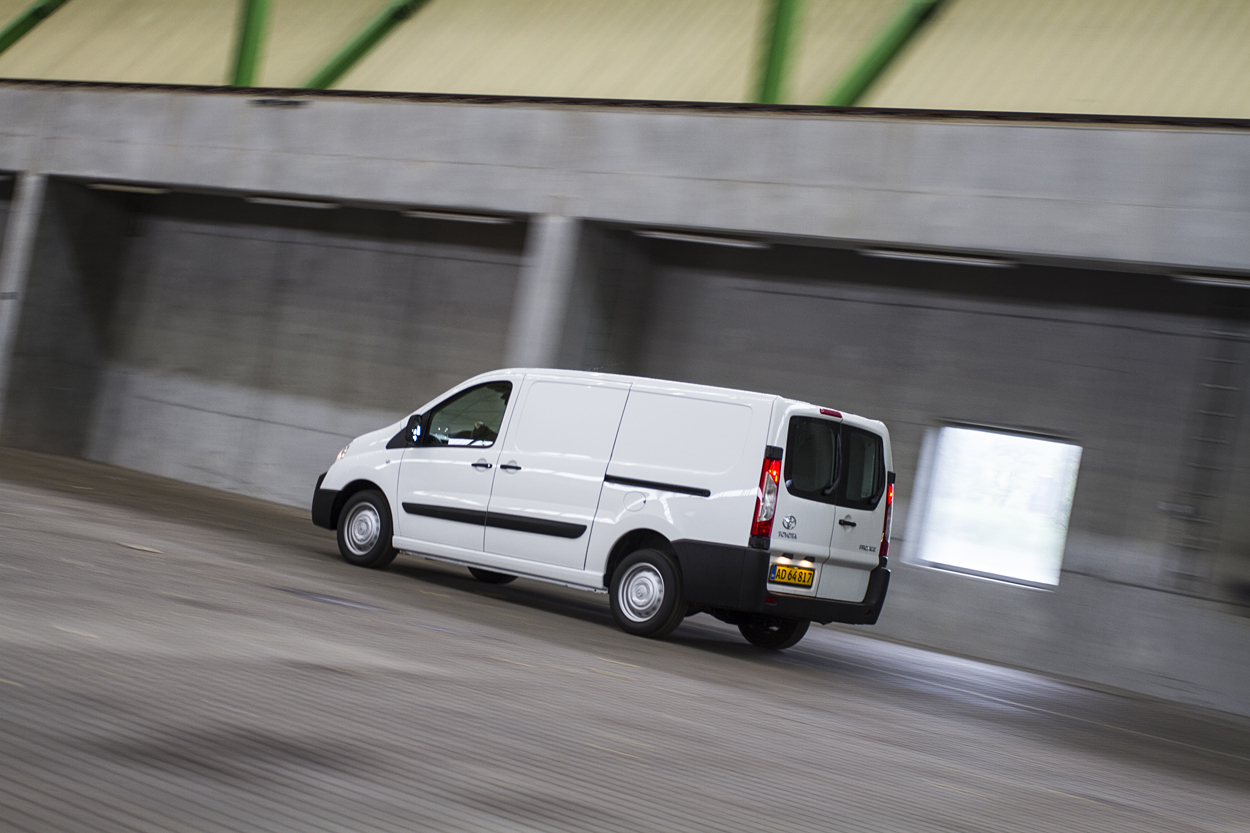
724,579
323,504
825,611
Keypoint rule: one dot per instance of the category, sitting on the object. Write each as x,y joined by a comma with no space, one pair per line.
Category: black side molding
540,526
477,517
659,487
447,513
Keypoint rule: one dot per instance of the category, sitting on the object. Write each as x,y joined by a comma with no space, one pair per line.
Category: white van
676,499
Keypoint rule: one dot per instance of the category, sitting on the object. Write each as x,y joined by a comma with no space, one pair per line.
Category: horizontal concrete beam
1139,194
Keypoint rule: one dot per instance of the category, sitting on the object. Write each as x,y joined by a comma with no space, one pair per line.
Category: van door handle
510,466
481,465
846,522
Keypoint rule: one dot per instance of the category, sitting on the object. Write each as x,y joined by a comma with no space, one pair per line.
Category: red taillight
889,519
766,499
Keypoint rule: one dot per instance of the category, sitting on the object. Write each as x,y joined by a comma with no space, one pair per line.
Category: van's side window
864,471
470,418
811,464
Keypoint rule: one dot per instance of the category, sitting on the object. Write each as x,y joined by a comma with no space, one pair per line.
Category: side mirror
414,429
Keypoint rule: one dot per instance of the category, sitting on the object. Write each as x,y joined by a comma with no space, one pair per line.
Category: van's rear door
860,500
829,510
551,469
805,504
806,514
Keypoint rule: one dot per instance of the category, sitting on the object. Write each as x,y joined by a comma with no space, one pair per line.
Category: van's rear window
865,468
811,466
834,463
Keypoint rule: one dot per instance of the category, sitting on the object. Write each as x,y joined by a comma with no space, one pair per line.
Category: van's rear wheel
775,634
646,594
490,576
364,530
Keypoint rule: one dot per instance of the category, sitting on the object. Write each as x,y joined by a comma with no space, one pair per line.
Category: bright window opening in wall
997,505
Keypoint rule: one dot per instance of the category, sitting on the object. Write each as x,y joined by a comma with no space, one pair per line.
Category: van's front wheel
775,634
646,594
364,530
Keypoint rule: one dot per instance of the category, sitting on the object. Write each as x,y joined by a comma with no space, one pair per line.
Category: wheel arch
355,487
637,539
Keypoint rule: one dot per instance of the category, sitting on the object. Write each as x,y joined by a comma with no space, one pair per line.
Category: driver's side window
470,418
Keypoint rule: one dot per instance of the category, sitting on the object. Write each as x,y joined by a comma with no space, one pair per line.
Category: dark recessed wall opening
7,184
159,329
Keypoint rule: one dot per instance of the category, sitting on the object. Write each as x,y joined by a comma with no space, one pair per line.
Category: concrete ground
174,658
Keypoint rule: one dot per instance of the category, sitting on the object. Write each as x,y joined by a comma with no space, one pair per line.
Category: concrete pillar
19,246
542,298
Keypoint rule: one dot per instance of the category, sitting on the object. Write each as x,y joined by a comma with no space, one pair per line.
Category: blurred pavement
174,658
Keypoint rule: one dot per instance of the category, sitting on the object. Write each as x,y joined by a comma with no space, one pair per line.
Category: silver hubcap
641,592
363,529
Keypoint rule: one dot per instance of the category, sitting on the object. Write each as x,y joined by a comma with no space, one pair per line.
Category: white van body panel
369,459
552,464
619,455
457,478
694,438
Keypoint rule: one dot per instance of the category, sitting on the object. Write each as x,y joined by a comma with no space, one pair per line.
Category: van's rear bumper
725,580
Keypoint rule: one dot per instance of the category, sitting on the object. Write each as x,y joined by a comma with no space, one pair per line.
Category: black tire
646,594
364,531
774,634
490,576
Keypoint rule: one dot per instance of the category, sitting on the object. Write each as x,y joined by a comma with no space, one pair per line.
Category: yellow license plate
781,574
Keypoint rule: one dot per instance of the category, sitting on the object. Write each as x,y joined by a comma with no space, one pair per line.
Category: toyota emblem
788,522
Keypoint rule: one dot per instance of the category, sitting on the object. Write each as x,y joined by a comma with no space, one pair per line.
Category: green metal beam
253,16
31,17
773,66
364,40
883,50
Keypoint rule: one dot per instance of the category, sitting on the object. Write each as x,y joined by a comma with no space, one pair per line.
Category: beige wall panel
154,41
10,9
647,49
303,34
1131,57
830,37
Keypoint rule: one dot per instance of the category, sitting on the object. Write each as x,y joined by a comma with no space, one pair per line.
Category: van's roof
689,387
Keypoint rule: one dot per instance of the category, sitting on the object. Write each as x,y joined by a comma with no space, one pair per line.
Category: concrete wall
1151,195
1110,360
204,337
240,346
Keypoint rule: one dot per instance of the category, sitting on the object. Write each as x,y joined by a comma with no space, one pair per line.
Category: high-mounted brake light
889,517
831,412
766,498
